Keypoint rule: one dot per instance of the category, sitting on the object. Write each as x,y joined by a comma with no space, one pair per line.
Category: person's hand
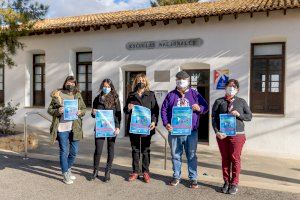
196,107
61,110
152,126
79,112
221,136
169,127
130,106
94,111
117,131
235,113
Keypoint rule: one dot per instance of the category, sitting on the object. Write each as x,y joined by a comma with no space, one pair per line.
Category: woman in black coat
141,96
107,100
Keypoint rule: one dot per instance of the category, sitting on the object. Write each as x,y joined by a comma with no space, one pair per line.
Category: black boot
107,175
94,175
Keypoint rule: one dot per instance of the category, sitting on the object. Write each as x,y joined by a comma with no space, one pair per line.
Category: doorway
129,78
200,81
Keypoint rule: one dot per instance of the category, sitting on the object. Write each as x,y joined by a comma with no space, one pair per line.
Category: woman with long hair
107,99
142,96
68,133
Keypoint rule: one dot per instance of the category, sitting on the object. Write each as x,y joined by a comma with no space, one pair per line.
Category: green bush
6,112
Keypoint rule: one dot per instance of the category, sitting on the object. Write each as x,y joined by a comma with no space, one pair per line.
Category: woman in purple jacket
183,95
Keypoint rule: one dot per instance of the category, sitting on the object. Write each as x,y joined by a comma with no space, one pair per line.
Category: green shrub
6,112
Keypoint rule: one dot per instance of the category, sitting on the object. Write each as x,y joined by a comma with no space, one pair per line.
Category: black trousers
99,143
145,151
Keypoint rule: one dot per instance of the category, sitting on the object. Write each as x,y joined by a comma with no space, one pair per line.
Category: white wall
226,45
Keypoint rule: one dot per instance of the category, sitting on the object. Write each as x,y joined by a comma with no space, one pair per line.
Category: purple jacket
174,99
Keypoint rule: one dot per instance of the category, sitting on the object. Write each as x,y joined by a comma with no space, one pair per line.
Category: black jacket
147,100
221,107
98,104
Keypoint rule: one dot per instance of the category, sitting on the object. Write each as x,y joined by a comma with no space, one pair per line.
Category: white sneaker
67,179
71,175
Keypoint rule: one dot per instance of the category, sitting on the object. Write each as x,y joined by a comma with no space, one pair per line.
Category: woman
142,96
66,132
107,100
231,146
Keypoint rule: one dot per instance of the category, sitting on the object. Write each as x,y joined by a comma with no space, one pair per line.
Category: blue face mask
106,90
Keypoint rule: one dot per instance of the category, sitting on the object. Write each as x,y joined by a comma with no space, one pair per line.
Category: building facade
260,49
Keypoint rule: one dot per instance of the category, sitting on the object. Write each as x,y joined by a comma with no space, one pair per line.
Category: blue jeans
189,144
67,157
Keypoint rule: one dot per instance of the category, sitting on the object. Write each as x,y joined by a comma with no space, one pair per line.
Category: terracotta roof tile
191,10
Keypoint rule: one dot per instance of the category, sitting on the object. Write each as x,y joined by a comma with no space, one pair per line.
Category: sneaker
194,184
72,177
67,179
225,188
133,177
146,177
174,182
233,189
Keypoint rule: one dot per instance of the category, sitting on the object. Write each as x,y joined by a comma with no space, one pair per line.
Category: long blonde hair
135,82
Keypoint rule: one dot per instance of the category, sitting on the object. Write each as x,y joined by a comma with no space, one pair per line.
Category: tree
155,3
17,18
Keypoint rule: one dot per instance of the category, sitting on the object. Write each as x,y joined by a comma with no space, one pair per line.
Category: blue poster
70,109
228,124
105,123
181,120
140,120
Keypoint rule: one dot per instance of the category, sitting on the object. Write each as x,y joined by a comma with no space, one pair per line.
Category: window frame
88,93
43,81
267,93
3,91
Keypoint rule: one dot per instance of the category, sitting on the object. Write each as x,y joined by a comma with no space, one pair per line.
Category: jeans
189,144
231,150
99,143
145,145
67,156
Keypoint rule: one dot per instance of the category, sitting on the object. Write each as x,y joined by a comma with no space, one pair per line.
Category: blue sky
62,8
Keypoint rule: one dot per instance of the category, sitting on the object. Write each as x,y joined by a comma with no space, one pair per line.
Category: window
84,75
1,85
39,80
267,78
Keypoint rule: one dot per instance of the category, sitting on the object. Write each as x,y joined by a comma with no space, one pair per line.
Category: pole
25,138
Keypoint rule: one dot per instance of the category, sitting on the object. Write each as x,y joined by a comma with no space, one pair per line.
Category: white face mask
182,83
231,91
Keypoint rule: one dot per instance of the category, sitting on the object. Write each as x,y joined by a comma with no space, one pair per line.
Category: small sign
164,44
228,124
105,123
181,120
140,120
70,110
221,77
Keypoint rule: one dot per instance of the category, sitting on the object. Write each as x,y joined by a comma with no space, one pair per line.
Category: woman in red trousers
231,146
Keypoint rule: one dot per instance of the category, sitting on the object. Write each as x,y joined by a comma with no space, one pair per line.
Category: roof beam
118,26
206,18
129,25
220,17
107,27
96,28
179,21
153,23
141,24
166,22
193,20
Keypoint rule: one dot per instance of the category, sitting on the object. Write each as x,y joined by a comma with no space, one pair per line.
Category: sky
62,8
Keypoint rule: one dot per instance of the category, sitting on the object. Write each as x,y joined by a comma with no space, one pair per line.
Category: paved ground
40,176
40,179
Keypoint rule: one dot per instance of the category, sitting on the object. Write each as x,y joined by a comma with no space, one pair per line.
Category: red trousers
231,149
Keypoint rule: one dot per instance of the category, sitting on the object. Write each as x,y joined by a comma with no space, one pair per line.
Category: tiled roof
163,13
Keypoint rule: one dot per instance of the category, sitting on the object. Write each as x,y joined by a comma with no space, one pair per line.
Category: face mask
70,88
182,83
106,90
140,85
231,91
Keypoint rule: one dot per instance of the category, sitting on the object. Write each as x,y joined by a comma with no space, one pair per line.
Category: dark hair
73,80
112,97
236,83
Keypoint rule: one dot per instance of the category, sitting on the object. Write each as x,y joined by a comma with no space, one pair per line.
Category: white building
257,42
